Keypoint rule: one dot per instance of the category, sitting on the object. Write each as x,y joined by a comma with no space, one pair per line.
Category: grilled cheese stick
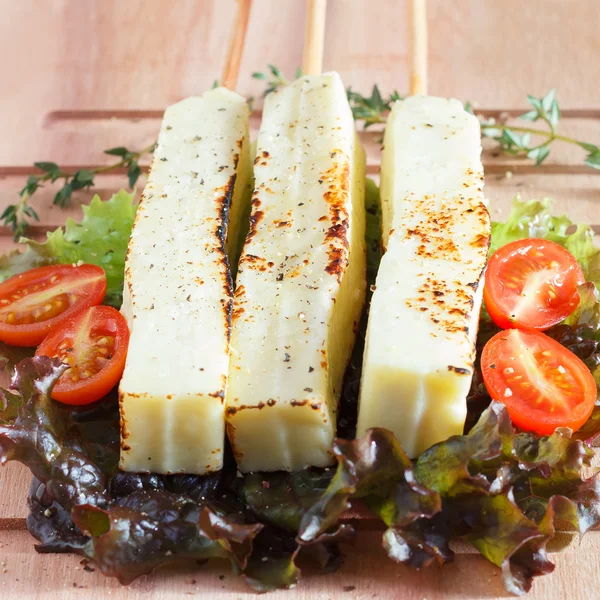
424,315
301,281
178,289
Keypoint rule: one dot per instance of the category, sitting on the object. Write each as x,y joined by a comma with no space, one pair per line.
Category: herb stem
374,117
548,134
17,216
370,110
20,211
135,156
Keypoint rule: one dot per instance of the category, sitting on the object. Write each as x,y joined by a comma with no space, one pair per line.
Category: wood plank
14,485
490,52
79,139
366,573
75,58
78,59
576,195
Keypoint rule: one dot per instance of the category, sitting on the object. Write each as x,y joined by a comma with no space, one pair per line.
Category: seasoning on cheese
424,315
178,288
301,280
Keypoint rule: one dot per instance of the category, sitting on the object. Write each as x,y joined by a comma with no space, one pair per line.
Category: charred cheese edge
424,314
178,289
301,282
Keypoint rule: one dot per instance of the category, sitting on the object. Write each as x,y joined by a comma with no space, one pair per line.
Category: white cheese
301,280
418,361
178,289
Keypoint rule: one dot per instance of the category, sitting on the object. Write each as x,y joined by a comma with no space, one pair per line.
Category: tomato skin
77,341
55,293
531,284
542,384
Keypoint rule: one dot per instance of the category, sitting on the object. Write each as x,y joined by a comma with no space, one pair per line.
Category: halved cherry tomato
531,284
94,343
542,384
34,302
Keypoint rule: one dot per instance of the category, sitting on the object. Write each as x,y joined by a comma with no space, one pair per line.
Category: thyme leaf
525,142
20,215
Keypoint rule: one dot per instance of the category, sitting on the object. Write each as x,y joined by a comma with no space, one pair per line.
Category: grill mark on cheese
295,261
201,181
256,216
459,370
233,410
336,198
223,202
481,241
262,159
123,425
448,306
251,261
436,238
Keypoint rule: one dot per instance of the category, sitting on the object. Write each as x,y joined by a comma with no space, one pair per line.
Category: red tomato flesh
531,284
34,302
94,344
542,384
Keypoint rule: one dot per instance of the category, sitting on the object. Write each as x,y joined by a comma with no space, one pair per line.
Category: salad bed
502,490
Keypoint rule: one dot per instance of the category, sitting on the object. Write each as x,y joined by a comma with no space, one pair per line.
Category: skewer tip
418,65
314,38
236,45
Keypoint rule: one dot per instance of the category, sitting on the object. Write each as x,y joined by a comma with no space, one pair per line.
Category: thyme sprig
274,78
513,140
371,109
525,142
368,109
517,141
20,215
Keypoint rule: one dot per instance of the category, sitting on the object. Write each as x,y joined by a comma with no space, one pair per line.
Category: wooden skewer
418,66
236,45
314,37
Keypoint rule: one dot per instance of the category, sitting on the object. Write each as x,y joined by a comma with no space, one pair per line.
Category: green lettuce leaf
376,469
588,311
283,498
280,500
498,489
100,239
372,231
533,218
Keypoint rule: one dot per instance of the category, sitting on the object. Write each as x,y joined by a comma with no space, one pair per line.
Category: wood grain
109,54
102,132
577,195
366,573
83,75
78,139
14,485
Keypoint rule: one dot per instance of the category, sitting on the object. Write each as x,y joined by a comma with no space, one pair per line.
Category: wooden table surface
79,76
